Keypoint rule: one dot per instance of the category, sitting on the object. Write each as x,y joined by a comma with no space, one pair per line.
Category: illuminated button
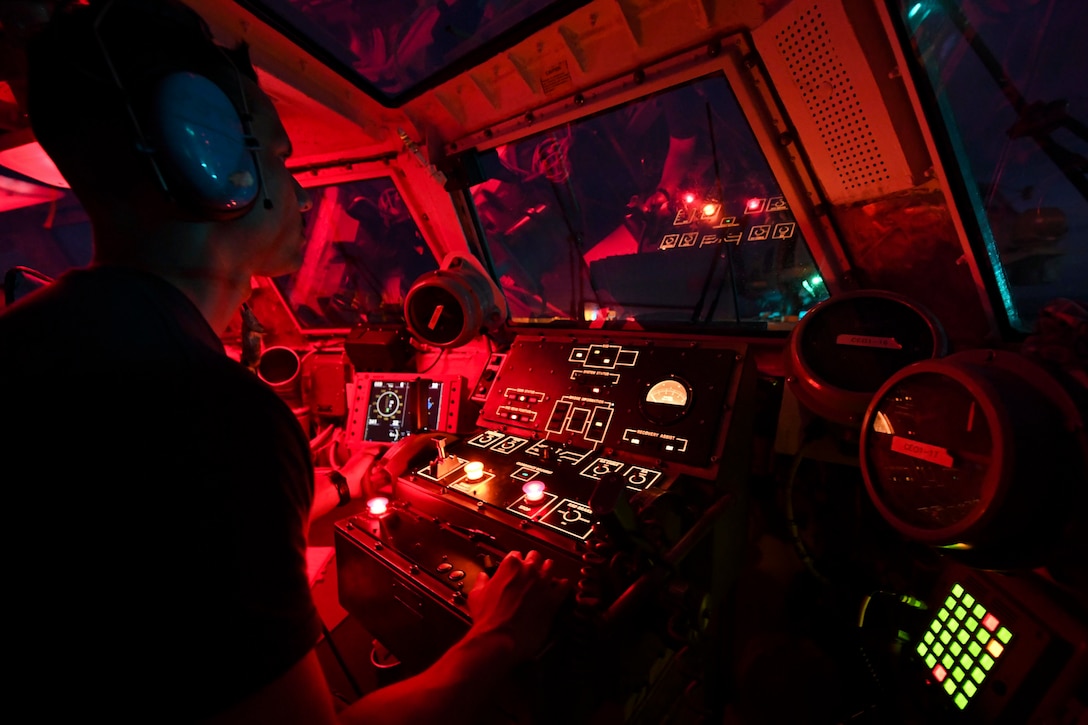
950,603
978,675
953,625
966,662
974,648
1004,635
938,649
456,575
958,674
955,649
377,505
995,648
943,614
968,601
960,613
929,638
961,700
986,661
957,591
982,636
949,685
963,636
940,673
921,649
971,624
534,490
474,470
444,567
930,661
969,688
947,661
946,636
990,622
979,611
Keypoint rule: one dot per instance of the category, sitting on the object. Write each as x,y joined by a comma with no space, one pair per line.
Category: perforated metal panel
818,68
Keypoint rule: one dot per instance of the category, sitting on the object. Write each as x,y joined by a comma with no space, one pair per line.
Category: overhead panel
815,59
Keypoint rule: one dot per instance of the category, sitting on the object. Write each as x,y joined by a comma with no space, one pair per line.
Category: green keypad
962,645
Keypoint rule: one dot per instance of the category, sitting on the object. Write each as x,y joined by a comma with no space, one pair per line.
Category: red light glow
940,673
377,505
754,204
689,197
990,622
534,490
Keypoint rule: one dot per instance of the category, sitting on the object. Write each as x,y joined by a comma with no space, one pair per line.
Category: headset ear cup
200,144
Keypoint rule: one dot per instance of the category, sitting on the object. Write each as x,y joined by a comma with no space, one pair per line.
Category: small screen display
396,408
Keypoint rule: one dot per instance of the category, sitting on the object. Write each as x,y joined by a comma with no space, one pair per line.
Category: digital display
396,407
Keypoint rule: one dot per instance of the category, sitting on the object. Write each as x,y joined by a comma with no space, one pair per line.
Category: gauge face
666,401
929,453
387,404
668,392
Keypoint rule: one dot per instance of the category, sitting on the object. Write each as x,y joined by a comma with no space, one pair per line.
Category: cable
340,660
431,366
795,533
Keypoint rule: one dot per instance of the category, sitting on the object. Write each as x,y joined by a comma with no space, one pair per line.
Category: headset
201,147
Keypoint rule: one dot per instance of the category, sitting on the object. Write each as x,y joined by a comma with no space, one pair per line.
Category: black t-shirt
156,495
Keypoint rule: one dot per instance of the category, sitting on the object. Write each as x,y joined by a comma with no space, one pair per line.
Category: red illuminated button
990,622
377,505
940,673
534,490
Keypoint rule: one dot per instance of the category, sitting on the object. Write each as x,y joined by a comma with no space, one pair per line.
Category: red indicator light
377,505
754,204
940,673
990,622
534,490
689,197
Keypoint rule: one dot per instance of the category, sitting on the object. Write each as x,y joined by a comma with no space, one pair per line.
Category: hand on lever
518,603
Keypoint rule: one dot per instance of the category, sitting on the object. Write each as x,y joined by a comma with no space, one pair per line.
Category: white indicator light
377,505
474,470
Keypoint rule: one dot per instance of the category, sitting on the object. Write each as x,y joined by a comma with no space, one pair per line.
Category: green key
986,661
961,700
978,675
930,661
922,649
938,649
963,636
968,601
952,625
942,614
1004,635
971,624
960,613
979,611
969,688
958,674
957,591
946,636
983,636
947,661
955,649
974,648
949,685
929,637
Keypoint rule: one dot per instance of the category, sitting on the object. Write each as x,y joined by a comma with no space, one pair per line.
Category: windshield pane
363,251
1009,79
663,210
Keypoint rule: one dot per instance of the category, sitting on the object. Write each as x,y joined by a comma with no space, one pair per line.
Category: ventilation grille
825,82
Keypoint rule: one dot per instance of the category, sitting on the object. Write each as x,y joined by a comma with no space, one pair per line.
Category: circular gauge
978,451
847,346
450,307
388,404
667,400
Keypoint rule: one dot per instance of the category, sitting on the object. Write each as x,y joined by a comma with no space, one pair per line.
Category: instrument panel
661,398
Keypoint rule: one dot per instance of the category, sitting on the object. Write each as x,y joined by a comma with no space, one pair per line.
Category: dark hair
92,68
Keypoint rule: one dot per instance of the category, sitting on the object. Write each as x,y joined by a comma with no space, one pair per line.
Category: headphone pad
202,147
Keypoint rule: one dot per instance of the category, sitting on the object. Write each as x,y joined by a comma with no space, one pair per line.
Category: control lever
397,458
611,508
442,464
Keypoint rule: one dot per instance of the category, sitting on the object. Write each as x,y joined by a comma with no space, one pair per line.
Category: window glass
663,210
1009,81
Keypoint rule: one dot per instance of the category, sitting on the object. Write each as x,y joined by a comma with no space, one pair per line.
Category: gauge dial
388,404
668,392
666,400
